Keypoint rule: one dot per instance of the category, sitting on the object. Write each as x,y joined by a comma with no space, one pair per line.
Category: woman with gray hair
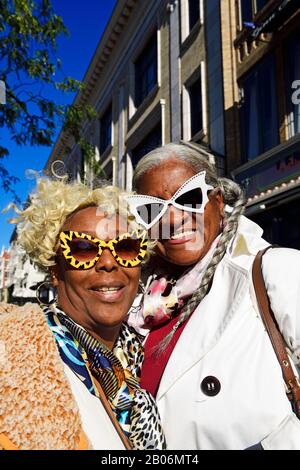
208,359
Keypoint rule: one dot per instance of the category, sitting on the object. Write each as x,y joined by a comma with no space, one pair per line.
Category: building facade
22,276
265,46
221,73
148,81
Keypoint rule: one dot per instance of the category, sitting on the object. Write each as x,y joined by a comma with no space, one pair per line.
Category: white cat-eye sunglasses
191,197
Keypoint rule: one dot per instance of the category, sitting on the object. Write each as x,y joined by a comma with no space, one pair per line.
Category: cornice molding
107,43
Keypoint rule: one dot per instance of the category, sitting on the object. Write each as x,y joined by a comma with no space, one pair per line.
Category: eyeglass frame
194,182
64,237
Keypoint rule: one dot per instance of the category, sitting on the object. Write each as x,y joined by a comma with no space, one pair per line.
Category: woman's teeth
182,235
108,289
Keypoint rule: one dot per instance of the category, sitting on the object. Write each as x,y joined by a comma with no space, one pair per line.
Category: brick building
263,111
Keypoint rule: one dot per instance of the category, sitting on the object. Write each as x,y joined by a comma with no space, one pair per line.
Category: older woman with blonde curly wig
69,371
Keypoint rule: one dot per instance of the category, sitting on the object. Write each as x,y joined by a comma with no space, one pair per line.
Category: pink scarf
162,296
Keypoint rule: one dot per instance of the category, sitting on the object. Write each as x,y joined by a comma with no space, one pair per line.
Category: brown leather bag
267,315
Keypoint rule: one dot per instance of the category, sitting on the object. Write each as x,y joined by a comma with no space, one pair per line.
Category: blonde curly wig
39,224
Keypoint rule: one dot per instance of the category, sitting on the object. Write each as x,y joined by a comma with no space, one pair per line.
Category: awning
269,20
284,192
274,169
275,18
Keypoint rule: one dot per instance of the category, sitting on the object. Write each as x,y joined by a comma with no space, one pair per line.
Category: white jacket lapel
207,323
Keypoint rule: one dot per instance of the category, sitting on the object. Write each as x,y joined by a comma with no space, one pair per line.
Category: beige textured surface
37,408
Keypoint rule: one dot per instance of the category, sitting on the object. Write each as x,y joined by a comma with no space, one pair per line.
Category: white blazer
95,420
225,338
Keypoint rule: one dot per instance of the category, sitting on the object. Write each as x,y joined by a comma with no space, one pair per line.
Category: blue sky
86,21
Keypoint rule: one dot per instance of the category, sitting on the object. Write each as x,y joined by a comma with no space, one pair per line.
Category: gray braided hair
198,160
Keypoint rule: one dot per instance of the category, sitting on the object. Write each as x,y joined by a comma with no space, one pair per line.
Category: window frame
185,28
198,75
256,71
290,77
158,126
149,64
254,9
109,144
197,19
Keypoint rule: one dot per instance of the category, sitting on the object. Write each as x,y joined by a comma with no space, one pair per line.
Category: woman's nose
106,262
173,220
175,217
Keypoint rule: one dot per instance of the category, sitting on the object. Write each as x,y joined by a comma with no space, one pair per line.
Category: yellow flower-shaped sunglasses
82,251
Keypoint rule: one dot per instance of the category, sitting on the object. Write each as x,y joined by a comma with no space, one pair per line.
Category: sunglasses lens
192,199
148,212
128,248
83,250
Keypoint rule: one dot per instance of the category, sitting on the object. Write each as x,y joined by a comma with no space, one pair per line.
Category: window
249,8
146,71
105,130
260,4
193,114
259,120
191,12
150,142
292,77
194,12
246,11
195,94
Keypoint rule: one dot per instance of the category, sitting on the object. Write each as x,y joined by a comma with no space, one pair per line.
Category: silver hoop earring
46,293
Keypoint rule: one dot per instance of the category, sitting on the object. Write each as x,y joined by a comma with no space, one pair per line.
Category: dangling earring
46,293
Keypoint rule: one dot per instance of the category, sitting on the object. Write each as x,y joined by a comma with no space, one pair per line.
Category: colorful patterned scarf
118,372
164,296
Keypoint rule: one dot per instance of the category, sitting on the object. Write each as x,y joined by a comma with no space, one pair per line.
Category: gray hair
197,158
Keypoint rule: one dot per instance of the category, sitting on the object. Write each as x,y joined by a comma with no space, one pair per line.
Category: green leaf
29,30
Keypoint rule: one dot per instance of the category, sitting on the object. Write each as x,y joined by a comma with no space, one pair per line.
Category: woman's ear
54,275
220,203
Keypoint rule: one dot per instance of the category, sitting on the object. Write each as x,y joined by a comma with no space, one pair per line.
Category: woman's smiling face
97,298
190,235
